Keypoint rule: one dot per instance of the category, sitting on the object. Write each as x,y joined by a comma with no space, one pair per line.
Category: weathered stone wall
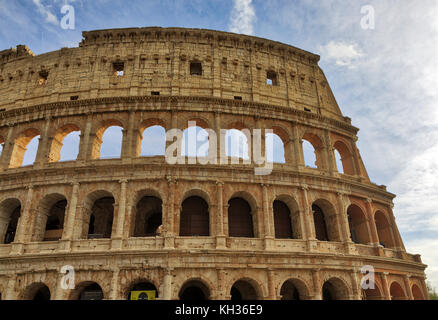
301,106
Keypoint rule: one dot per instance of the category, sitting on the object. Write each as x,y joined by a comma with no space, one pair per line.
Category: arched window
149,217
108,140
384,230
195,142
10,210
338,160
358,225
25,149
240,222
37,292
101,218
2,143
344,158
274,148
50,218
312,151
397,292
65,144
334,289
245,290
194,290
236,144
373,294
143,291
416,293
309,154
87,291
282,220
195,220
320,224
195,68
153,142
294,289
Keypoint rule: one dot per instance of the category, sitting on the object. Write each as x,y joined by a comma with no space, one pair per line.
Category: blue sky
384,78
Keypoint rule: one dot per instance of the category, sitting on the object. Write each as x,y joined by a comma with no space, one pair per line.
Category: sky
382,70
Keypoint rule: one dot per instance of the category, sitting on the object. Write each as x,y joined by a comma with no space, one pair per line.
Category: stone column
297,143
71,215
117,237
268,218
328,152
386,291
343,219
221,294
372,223
356,286
127,142
220,235
167,284
43,146
85,143
23,233
317,287
271,285
307,212
10,293
8,147
408,287
217,92
169,237
114,293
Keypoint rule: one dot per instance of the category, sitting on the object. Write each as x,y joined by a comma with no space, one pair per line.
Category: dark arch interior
101,218
194,290
143,286
243,290
149,217
194,217
240,222
12,226
55,221
289,291
91,292
320,224
282,220
396,291
328,291
358,225
43,294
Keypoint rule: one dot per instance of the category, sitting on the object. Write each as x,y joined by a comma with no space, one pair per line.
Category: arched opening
195,142
236,144
294,289
100,211
148,218
25,149
10,211
37,292
312,147
325,221
384,230
65,144
397,292
274,148
282,220
372,294
153,141
107,143
334,289
143,291
2,144
50,218
344,157
245,290
359,232
240,222
194,290
416,293
195,218
87,291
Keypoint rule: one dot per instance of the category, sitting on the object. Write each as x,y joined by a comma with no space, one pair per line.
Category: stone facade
137,78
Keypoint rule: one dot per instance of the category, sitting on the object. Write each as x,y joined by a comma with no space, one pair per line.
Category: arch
141,285
294,210
240,218
57,148
195,142
99,212
282,220
358,223
316,147
37,292
373,294
20,156
325,221
148,217
335,289
195,217
396,291
114,138
194,289
417,293
275,151
294,289
50,218
346,157
237,143
10,211
153,141
2,143
246,289
384,229
87,290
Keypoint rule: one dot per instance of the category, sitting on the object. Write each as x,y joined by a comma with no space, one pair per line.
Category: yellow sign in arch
143,295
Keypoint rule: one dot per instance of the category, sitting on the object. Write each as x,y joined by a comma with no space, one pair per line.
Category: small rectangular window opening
119,69
44,75
308,110
237,98
155,93
74,98
195,69
271,78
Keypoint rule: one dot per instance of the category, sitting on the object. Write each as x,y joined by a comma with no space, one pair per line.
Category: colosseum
215,231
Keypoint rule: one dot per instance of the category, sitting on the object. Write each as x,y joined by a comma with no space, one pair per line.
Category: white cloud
344,54
243,17
45,11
